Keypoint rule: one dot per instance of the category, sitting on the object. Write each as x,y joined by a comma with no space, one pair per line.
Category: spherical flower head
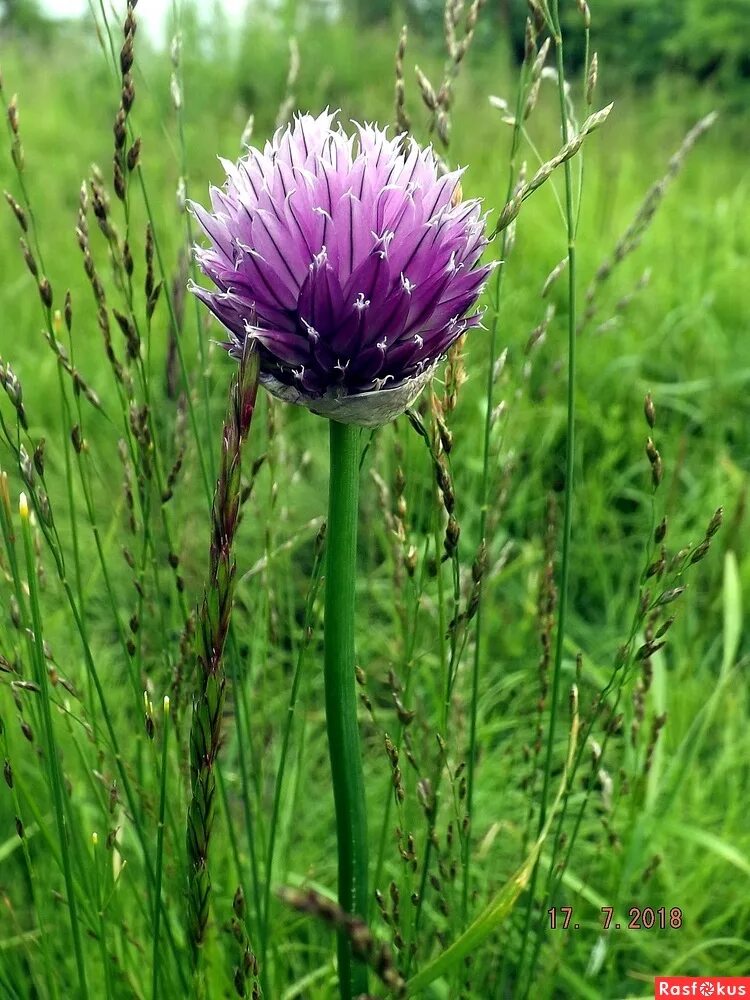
350,261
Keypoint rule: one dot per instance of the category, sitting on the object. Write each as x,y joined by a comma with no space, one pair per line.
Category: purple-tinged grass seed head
349,260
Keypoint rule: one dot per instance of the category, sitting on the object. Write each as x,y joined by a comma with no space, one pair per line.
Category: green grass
673,834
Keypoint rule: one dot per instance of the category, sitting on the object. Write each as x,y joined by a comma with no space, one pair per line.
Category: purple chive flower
348,260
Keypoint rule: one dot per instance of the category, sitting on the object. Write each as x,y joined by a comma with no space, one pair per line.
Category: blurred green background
638,40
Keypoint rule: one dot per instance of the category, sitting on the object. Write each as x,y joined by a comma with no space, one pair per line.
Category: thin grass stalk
615,684
144,370
52,329
588,89
570,224
44,936
122,771
100,914
341,696
281,770
160,850
80,421
409,642
178,340
244,740
204,376
163,275
449,666
234,846
563,587
42,680
484,490
133,803
213,625
64,404
66,445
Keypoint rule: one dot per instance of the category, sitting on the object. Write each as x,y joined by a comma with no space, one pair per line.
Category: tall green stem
341,695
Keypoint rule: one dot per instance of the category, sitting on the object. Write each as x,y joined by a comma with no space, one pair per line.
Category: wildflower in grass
349,260
349,264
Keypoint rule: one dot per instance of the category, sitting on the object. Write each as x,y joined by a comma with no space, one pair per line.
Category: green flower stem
341,695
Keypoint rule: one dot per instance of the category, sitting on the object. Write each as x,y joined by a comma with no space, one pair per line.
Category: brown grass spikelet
458,38
654,457
214,616
455,375
592,78
444,482
403,122
124,163
649,410
29,258
429,98
16,149
19,213
366,946
396,778
656,727
14,391
513,207
631,238
287,104
715,523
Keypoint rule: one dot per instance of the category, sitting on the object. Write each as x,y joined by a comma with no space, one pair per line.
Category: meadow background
665,818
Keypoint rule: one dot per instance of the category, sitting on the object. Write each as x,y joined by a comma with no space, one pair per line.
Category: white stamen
382,241
312,333
361,302
249,250
319,259
452,267
408,286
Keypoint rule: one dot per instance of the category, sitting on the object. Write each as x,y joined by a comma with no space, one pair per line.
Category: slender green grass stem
160,851
410,638
244,743
102,923
484,495
341,695
44,936
570,225
204,375
55,776
570,430
278,786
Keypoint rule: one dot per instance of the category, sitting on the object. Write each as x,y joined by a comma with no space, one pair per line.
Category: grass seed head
649,410
592,78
